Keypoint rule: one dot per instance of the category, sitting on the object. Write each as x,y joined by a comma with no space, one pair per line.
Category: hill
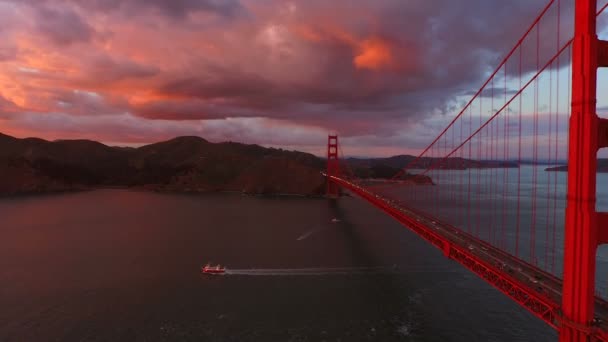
182,164
34,165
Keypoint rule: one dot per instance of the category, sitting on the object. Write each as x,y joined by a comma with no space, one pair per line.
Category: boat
208,269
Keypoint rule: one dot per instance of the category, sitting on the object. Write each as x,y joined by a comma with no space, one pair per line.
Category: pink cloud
272,72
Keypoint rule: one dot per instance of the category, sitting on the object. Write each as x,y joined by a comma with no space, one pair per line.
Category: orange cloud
374,54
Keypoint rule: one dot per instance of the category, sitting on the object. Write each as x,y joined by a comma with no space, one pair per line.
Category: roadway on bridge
532,277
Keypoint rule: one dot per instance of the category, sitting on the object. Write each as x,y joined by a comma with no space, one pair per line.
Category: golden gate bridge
508,223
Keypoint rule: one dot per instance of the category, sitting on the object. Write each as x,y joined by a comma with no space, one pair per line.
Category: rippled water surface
116,265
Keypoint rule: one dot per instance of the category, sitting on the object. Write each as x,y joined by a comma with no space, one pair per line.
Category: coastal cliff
183,164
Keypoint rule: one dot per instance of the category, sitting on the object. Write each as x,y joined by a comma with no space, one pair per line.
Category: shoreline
43,193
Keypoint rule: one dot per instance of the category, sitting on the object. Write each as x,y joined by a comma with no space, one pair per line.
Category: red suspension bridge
492,206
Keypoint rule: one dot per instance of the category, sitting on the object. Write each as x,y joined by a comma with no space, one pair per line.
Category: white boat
208,269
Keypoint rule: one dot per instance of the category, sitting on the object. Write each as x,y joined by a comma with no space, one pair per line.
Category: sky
386,75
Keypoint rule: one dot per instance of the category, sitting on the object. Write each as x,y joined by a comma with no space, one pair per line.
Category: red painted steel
603,127
542,304
333,165
537,303
581,235
479,92
437,164
571,305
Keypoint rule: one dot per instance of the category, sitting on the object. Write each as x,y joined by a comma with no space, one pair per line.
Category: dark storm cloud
493,92
104,68
174,8
171,8
218,84
190,109
62,26
441,49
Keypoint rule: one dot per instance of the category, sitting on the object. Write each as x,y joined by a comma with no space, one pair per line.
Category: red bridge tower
333,165
585,228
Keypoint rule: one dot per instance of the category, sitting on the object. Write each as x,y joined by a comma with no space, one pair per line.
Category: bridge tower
333,165
585,228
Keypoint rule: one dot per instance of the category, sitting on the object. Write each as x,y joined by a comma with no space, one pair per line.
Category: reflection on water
116,265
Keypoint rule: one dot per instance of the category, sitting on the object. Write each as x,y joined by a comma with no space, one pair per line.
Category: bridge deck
536,290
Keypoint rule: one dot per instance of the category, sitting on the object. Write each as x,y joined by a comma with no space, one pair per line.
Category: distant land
191,164
388,167
183,164
602,166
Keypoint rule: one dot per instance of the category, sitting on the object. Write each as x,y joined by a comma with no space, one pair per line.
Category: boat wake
316,230
310,271
334,271
309,233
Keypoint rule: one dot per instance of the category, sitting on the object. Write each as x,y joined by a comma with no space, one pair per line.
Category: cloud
104,68
179,8
174,8
371,70
374,54
180,110
7,108
7,53
493,91
218,84
63,26
84,103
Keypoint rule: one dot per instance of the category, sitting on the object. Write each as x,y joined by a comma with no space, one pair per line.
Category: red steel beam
504,255
582,232
602,134
478,93
540,305
333,165
536,303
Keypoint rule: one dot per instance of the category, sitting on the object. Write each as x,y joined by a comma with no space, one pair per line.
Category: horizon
523,160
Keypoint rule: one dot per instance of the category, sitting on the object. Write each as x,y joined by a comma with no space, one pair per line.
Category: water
116,265
488,208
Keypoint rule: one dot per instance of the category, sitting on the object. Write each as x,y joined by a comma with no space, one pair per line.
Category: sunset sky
387,75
